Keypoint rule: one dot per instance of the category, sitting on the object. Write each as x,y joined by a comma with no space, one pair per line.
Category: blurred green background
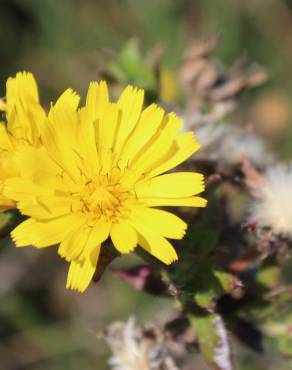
66,43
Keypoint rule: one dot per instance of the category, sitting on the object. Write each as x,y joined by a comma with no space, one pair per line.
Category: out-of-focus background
67,43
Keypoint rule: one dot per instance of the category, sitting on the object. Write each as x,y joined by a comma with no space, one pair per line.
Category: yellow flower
99,175
168,85
24,116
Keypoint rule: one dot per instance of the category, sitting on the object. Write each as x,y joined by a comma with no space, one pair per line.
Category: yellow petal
87,142
150,155
146,128
24,113
25,120
60,134
124,237
96,101
153,241
5,141
176,185
5,203
21,87
80,243
43,234
46,208
184,146
99,233
157,245
81,273
172,202
107,130
33,160
160,222
21,189
2,105
69,98
130,103
73,244
60,139
20,125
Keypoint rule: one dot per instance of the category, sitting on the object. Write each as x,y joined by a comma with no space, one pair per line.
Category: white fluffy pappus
227,143
272,203
131,350
239,144
222,356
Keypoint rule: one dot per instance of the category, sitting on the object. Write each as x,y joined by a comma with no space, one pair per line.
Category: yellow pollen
104,197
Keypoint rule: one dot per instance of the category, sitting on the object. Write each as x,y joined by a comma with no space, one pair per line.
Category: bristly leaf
214,284
213,341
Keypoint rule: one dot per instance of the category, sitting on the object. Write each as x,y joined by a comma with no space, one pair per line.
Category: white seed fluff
272,204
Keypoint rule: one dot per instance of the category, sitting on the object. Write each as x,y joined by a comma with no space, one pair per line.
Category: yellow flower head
24,116
99,176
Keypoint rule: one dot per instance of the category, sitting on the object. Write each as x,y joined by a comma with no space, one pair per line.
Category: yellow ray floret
99,174
24,117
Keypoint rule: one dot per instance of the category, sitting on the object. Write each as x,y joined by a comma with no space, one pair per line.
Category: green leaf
268,276
279,330
208,291
131,67
213,340
214,284
227,281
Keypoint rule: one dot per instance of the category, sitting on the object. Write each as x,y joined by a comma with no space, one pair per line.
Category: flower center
104,197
